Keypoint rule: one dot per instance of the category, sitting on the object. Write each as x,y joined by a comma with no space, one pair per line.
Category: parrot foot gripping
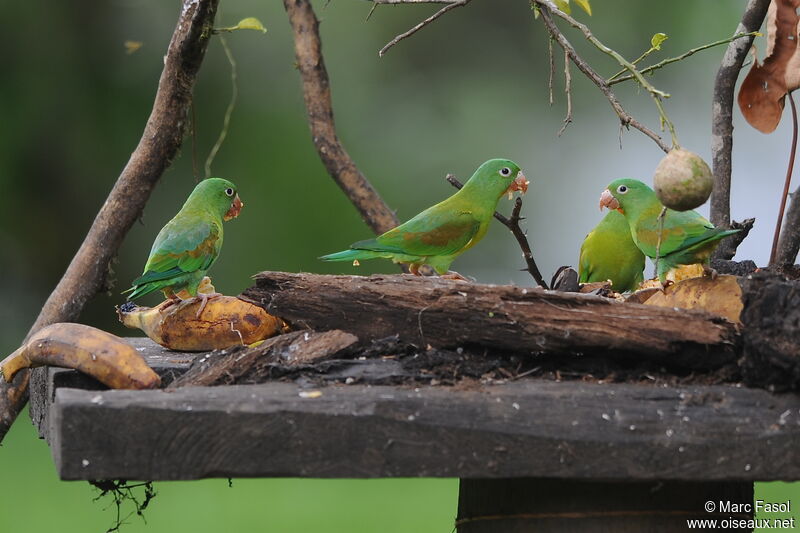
205,297
205,292
708,271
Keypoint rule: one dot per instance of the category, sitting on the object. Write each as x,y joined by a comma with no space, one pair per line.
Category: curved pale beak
236,207
607,200
520,184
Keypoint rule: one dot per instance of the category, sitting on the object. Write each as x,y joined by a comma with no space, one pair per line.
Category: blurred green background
472,86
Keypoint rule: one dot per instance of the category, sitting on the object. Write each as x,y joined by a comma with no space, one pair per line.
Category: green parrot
441,233
188,245
609,253
688,238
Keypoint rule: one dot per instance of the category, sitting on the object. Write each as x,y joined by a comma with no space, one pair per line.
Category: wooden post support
557,505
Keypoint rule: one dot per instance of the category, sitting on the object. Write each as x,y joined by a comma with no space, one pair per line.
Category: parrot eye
622,189
505,172
229,191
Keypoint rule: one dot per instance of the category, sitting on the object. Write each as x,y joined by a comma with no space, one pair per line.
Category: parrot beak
233,212
520,183
607,200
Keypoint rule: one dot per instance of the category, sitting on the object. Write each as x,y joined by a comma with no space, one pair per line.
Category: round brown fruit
683,180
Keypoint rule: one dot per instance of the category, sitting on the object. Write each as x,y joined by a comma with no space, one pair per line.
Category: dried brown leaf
761,96
719,296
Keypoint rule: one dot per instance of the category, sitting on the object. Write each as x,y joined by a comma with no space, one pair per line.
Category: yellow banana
101,355
224,321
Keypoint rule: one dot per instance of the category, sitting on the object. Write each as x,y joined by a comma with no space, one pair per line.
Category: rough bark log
771,316
162,136
722,119
450,314
253,365
317,96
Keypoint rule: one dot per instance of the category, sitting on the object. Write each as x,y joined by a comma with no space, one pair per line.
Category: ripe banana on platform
101,355
225,321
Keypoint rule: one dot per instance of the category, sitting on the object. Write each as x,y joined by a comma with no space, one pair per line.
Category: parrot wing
681,231
585,260
434,232
179,249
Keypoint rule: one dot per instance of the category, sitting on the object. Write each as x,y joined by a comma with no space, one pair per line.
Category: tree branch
625,118
162,136
513,225
789,243
450,5
722,118
317,96
656,94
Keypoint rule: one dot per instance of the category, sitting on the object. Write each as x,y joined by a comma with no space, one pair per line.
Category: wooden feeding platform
553,410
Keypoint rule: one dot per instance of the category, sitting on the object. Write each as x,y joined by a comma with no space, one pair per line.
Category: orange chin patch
235,209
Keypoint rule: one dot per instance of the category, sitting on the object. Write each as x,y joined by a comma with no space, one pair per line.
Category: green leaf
249,23
563,5
584,4
657,39
252,23
132,46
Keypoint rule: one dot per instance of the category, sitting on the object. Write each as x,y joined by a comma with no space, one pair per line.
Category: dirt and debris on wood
335,357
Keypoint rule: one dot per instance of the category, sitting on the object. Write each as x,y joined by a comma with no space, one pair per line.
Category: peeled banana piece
225,321
101,355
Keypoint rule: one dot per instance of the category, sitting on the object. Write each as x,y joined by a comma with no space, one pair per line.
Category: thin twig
547,7
229,110
613,80
87,272
661,217
634,62
551,74
397,2
193,136
785,252
513,225
371,11
415,29
319,107
787,182
625,118
568,90
722,119
546,4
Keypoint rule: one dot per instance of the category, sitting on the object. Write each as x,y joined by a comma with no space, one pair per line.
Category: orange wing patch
441,236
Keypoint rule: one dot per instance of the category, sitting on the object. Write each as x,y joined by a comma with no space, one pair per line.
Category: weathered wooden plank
449,314
536,428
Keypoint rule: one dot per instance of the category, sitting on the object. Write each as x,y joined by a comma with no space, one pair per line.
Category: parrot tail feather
350,255
138,291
